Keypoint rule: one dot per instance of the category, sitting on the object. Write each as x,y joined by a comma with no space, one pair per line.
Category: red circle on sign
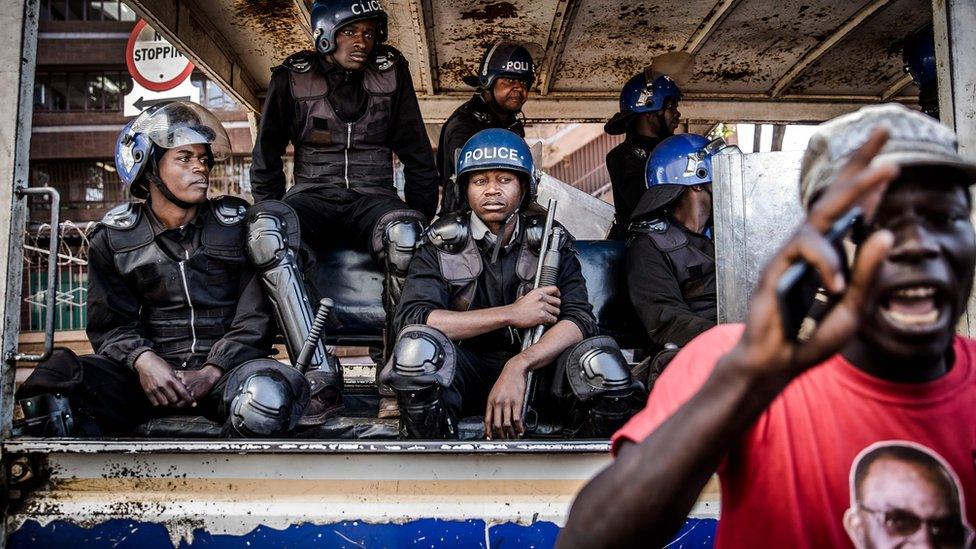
130,63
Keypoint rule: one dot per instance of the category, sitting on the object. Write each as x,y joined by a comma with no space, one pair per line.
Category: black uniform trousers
474,376
109,394
333,217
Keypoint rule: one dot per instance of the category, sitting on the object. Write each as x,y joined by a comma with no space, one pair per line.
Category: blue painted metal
123,534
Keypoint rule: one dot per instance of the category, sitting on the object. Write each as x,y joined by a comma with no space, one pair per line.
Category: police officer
648,114
505,75
347,108
175,313
670,253
468,295
919,57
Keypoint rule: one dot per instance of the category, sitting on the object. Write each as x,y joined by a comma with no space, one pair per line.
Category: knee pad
272,230
599,378
45,415
422,357
594,367
400,229
400,241
264,398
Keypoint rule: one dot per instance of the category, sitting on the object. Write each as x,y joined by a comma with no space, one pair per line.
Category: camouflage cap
914,139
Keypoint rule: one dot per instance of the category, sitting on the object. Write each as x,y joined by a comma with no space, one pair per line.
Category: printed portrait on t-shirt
905,495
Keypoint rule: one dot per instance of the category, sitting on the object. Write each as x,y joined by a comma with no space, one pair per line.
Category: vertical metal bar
955,39
50,300
18,57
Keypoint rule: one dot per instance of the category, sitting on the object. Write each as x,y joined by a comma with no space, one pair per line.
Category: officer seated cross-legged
176,314
347,107
670,253
465,302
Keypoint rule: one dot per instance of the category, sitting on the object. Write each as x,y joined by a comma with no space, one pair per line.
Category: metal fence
72,289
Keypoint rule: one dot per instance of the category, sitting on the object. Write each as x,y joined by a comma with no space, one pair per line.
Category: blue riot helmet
165,126
678,162
497,149
642,94
328,16
919,57
503,59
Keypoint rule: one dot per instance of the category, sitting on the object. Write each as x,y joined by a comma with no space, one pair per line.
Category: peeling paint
416,533
275,21
491,12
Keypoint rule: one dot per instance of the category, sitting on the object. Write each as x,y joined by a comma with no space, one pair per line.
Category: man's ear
854,526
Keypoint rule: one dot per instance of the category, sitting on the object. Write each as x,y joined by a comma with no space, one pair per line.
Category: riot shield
756,201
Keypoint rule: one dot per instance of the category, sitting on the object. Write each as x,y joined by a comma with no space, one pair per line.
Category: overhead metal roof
754,60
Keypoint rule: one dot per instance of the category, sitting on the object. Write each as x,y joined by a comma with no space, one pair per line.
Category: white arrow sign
140,99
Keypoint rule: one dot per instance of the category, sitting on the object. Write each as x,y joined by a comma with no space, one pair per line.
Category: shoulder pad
649,226
449,233
470,108
638,151
229,210
535,225
300,62
480,116
385,57
124,216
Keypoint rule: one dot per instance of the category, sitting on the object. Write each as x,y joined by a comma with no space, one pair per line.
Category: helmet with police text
503,59
919,58
642,94
328,16
678,162
497,149
165,126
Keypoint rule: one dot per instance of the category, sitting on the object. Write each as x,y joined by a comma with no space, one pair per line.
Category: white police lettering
517,66
492,153
367,6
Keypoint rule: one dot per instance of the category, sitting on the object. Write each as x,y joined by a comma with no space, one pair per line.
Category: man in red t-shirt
864,432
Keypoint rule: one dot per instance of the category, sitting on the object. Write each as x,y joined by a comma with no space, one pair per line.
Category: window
86,10
99,91
212,95
88,188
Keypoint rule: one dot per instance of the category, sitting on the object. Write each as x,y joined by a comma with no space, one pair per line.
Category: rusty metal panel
869,59
262,33
611,41
760,40
464,28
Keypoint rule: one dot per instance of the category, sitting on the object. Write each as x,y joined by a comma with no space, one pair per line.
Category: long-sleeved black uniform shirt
626,164
426,290
407,135
668,315
115,325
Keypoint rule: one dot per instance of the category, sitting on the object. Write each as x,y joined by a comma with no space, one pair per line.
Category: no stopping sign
153,62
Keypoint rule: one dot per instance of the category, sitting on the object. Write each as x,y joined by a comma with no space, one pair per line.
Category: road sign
140,99
153,62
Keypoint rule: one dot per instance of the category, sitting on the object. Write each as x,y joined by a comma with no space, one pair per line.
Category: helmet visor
184,123
719,146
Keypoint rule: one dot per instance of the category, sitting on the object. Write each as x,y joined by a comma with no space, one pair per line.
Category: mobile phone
796,289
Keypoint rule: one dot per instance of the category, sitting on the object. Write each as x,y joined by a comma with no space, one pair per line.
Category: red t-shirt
787,483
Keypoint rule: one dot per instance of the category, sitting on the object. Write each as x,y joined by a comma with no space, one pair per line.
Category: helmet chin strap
504,229
155,180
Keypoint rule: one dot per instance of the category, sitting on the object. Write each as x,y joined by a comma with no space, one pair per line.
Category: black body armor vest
186,305
461,261
332,152
692,260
